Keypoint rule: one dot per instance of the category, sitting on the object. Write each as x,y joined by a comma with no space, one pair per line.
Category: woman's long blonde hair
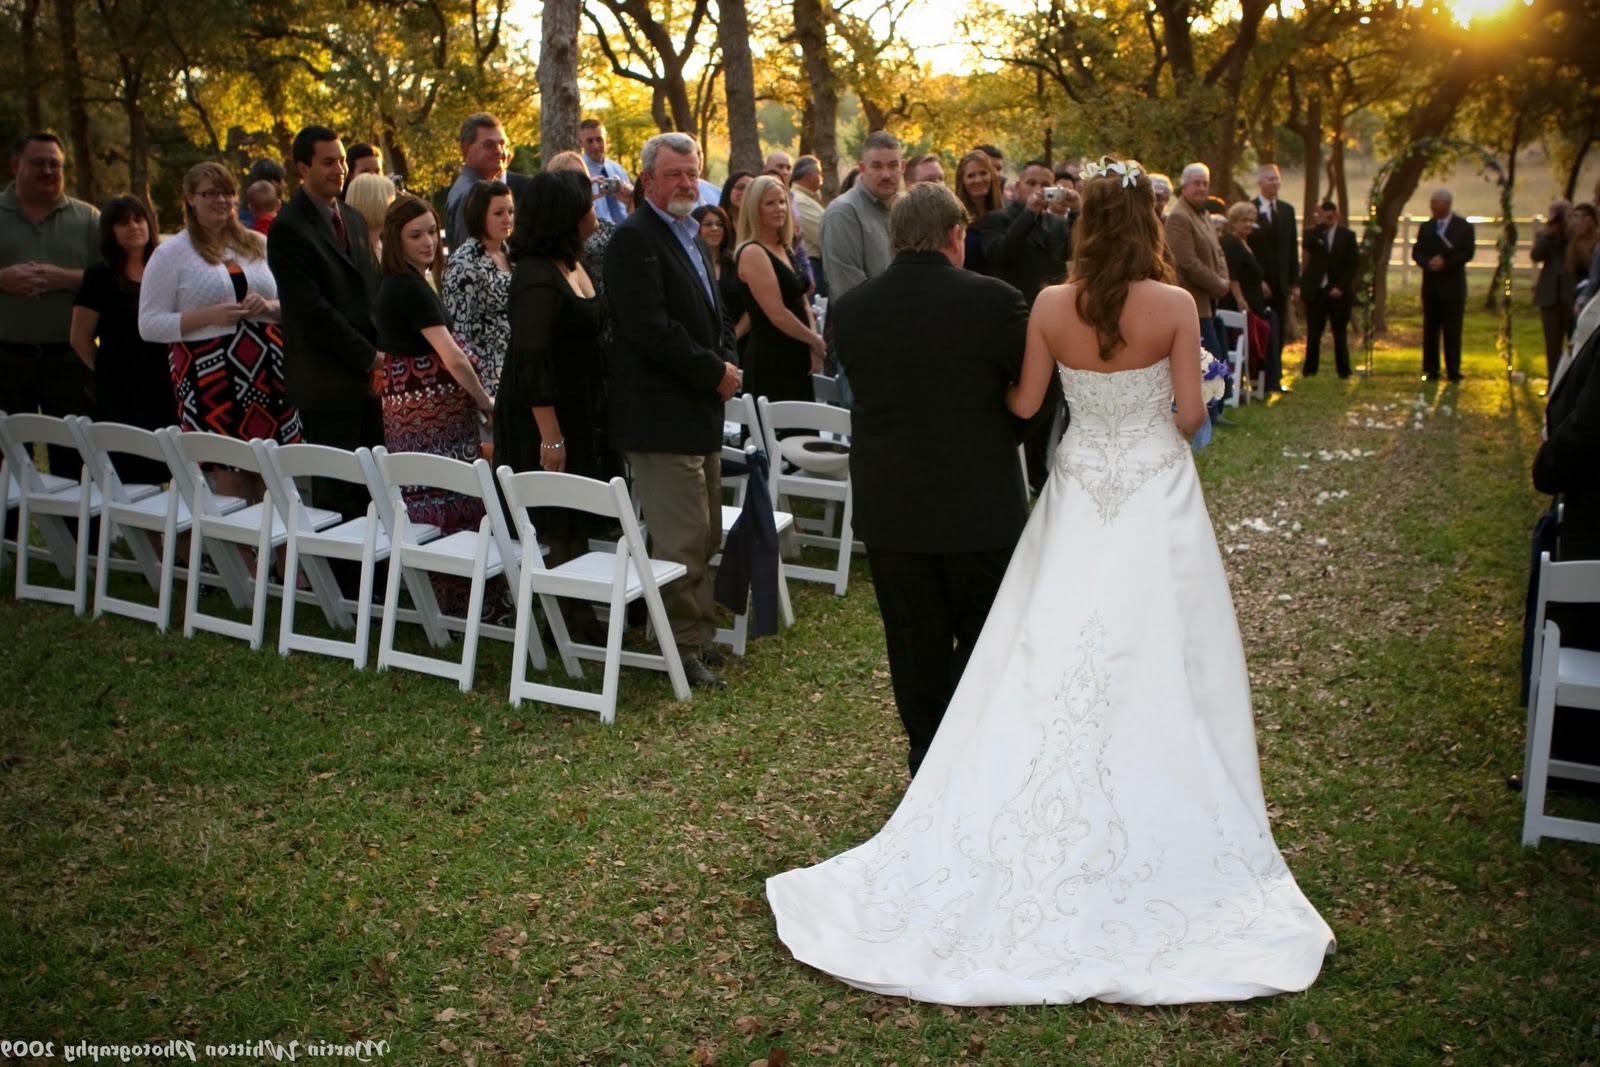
749,221
1118,240
233,237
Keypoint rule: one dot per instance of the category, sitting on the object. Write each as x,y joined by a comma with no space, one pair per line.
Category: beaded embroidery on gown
1089,822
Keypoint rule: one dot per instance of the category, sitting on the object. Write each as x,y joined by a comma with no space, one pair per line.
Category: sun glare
1469,11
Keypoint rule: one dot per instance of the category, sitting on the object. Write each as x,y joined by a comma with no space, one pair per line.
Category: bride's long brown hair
1118,240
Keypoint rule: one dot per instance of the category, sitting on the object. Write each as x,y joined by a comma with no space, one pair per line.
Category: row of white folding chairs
1564,677
309,536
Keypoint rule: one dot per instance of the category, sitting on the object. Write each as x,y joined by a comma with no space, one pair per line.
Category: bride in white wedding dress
1089,821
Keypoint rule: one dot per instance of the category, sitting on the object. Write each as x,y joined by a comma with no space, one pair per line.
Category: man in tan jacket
1197,255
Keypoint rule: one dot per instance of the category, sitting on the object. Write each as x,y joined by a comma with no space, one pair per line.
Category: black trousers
933,607
358,428
1322,311
1557,321
50,379
1441,317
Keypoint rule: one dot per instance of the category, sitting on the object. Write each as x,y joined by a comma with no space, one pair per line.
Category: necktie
338,231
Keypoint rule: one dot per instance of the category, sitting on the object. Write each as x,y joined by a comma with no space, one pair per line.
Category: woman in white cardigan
210,297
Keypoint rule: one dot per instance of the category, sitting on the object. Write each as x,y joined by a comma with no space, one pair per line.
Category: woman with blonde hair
370,195
208,294
784,348
1089,820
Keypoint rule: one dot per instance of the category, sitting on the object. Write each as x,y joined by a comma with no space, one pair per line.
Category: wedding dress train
1089,822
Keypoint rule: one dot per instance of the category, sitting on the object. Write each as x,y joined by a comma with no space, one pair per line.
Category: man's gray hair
470,126
804,166
1443,194
881,139
921,217
681,143
1161,184
1193,171
1273,167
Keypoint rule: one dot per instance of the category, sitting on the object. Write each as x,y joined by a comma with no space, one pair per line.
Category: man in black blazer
1330,278
1276,244
939,494
321,258
672,370
1443,248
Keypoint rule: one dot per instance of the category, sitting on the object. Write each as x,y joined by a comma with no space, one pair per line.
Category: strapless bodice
1121,432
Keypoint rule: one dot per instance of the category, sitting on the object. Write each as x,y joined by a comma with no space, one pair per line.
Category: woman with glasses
209,296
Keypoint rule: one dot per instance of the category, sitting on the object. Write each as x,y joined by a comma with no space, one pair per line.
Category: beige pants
682,501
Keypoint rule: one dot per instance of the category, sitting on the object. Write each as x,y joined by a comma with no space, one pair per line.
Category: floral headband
1128,172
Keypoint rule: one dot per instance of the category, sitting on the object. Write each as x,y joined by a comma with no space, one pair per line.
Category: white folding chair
134,513
48,502
736,426
1568,678
53,483
1238,355
829,422
615,578
478,555
363,540
825,389
255,526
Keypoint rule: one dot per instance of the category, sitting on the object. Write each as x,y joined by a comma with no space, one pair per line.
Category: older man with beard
672,365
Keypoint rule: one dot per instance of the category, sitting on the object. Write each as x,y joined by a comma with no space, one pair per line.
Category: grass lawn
201,842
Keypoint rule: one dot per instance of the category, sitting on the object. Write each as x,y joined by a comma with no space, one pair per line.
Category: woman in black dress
733,194
132,382
717,232
785,349
1244,282
551,408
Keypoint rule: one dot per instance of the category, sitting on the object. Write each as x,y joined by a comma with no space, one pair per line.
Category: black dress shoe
1223,420
1455,378
713,657
700,676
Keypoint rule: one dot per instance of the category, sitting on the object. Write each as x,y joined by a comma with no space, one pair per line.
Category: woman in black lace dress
784,349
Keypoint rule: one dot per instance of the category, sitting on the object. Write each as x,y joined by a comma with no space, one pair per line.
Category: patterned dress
475,291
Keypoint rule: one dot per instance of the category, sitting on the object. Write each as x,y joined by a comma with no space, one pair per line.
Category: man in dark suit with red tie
1330,279
672,369
321,258
1276,244
1443,248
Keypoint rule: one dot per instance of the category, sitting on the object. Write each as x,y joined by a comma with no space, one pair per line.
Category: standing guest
719,239
370,196
478,280
1246,290
1066,201
616,189
264,203
855,228
1022,242
1276,247
131,382
46,240
996,158
733,194
1162,186
432,396
1196,253
780,164
925,168
1332,260
1553,292
550,411
262,170
485,152
672,372
930,347
806,186
209,295
1443,248
363,158
980,192
321,256
1583,253
784,349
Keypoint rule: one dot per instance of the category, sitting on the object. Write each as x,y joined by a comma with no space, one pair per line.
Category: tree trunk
1508,225
33,109
1311,160
138,130
1338,186
1431,120
559,104
77,107
1570,188
739,87
811,32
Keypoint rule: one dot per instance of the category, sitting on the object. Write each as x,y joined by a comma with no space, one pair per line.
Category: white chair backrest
18,432
802,415
105,439
190,452
1573,582
1233,320
455,476
825,389
282,464
547,489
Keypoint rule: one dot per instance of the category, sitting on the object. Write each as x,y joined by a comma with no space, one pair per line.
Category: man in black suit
939,496
672,370
321,258
1443,248
1275,242
1330,279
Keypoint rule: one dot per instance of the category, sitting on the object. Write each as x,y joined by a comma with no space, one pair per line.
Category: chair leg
258,607
613,664
520,635
1534,786
785,606
291,569
391,603
369,567
469,643
191,596
841,580
102,564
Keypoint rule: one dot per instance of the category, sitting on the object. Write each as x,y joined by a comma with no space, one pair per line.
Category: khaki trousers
681,496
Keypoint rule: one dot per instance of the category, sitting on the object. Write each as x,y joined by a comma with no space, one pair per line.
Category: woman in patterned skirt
208,294
432,397
479,277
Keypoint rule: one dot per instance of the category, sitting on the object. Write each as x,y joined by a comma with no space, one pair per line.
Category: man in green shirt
46,239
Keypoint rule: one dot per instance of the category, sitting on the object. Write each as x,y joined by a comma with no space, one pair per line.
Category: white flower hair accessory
1128,171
